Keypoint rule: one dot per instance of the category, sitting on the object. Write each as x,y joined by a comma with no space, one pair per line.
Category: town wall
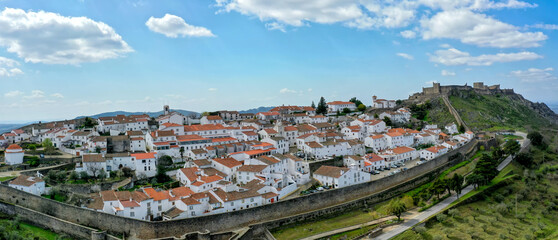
478,87
274,215
55,224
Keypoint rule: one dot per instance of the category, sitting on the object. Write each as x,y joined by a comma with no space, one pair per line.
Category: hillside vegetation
494,112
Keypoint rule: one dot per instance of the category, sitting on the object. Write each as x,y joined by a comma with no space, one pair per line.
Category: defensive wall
271,215
55,224
479,87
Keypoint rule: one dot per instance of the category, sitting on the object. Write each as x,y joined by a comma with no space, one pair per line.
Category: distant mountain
257,110
553,107
9,127
151,114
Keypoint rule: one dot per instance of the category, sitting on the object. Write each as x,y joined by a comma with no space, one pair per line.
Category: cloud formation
532,75
406,56
174,26
8,69
447,73
46,37
453,57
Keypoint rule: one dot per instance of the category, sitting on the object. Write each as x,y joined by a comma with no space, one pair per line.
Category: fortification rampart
437,90
273,215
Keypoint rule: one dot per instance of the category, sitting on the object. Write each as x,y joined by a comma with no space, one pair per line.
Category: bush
420,229
453,212
441,217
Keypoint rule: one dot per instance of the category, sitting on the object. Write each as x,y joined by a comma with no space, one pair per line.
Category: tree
461,128
313,105
536,138
98,149
355,101
165,161
512,147
83,175
486,168
89,123
322,106
525,159
47,144
361,107
475,179
161,175
438,188
346,110
74,175
387,120
102,174
396,207
182,153
32,147
457,183
376,116
127,172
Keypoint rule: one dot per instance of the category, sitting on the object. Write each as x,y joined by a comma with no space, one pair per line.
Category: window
191,207
132,214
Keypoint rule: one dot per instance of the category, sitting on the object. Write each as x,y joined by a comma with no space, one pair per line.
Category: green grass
57,197
439,113
354,233
26,231
482,112
2,179
310,228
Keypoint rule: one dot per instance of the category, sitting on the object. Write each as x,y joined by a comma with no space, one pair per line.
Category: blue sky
61,59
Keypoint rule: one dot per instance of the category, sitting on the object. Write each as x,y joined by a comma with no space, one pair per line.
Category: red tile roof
141,156
228,162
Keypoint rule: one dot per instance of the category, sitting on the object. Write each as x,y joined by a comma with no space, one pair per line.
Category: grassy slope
439,114
27,231
494,216
495,112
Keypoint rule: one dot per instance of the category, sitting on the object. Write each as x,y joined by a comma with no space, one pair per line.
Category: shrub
453,212
420,229
441,217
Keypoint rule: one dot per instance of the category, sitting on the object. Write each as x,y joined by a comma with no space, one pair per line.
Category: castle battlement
479,87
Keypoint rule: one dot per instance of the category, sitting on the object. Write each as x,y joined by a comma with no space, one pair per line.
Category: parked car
420,162
320,188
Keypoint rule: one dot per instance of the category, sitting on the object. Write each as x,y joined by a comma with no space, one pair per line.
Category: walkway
17,173
351,228
454,112
409,223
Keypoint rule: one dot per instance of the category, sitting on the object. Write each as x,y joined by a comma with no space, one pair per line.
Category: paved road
346,229
17,173
409,223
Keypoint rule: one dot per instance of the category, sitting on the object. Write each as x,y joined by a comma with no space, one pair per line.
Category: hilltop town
175,166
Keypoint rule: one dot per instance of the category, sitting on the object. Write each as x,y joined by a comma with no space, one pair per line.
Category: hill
485,112
151,114
9,127
257,110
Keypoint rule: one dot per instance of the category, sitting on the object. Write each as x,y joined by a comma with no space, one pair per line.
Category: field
522,209
13,229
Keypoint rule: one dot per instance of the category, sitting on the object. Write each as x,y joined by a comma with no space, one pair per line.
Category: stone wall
276,214
52,223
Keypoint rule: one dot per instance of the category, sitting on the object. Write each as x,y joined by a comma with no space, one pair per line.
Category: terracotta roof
268,160
339,103
129,204
27,181
157,196
93,158
252,152
190,173
14,147
192,137
290,129
314,145
394,134
162,133
210,179
141,156
180,192
373,157
190,201
269,113
202,162
252,168
378,136
108,195
401,150
331,171
214,117
225,139
269,195
228,162
204,127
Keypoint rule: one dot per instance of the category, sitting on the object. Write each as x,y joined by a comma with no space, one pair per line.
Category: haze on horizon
63,59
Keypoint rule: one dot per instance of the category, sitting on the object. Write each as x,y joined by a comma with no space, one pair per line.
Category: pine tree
313,105
322,106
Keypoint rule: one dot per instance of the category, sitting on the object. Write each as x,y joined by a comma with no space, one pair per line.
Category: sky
66,58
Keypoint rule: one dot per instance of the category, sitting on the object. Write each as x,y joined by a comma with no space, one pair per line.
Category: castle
478,87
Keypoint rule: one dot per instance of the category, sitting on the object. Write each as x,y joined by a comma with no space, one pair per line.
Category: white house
340,176
376,142
13,154
451,128
279,143
247,173
399,154
433,152
339,106
382,103
211,120
146,164
373,162
30,184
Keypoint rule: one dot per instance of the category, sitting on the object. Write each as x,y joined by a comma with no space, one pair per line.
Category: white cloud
445,45
212,89
174,26
447,73
286,90
5,72
13,94
452,57
408,34
46,37
534,75
57,95
7,67
544,26
35,94
276,26
478,29
310,89
475,4
406,56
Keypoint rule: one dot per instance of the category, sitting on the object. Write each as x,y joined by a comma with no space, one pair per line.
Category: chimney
374,97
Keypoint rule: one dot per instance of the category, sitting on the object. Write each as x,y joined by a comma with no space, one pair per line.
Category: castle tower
166,109
436,87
